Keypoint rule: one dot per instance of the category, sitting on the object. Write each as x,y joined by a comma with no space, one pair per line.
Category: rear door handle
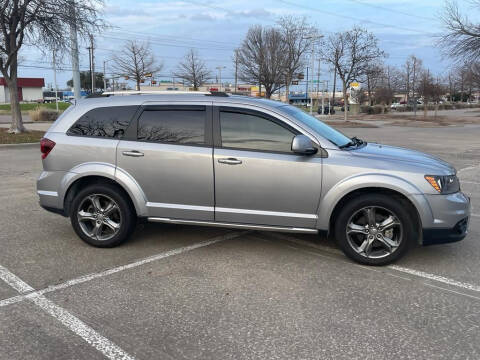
134,153
230,161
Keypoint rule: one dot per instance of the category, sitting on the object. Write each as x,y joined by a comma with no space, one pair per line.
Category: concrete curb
20,146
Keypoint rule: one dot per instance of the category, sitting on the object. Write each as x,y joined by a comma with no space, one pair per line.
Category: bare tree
42,23
261,58
136,60
351,53
414,66
298,36
462,40
371,78
193,70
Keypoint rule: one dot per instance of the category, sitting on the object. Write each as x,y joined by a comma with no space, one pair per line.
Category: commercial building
243,89
29,89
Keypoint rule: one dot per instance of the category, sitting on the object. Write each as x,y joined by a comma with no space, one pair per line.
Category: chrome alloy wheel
99,217
374,232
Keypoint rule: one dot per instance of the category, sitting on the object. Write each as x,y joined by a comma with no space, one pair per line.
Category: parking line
434,277
78,327
418,273
89,277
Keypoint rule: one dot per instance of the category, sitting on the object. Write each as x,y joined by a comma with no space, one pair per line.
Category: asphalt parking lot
179,292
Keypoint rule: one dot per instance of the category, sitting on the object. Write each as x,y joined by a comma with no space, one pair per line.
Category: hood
412,157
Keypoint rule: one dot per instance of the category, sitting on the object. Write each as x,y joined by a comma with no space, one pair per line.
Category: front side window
252,132
106,122
172,126
334,136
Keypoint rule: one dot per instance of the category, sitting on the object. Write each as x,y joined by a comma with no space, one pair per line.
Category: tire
102,215
375,229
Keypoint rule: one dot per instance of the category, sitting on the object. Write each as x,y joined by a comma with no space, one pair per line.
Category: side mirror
302,145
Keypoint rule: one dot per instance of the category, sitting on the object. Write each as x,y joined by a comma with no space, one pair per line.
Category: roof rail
152,92
158,92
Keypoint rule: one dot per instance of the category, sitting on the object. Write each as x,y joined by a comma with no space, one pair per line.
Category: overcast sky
216,27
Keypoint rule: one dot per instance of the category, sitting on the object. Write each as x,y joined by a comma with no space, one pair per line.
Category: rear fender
107,171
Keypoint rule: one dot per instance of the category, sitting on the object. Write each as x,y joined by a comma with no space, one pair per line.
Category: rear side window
106,122
176,126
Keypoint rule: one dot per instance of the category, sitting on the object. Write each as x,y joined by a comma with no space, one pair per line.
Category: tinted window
172,126
323,129
109,122
250,132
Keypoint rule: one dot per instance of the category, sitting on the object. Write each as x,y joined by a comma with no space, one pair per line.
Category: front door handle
134,153
230,161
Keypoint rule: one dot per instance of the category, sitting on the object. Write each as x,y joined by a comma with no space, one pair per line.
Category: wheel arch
101,173
334,200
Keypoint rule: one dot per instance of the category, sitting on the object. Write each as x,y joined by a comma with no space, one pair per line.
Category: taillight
46,145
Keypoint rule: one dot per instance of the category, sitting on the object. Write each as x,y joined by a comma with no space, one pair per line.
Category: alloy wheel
99,217
374,232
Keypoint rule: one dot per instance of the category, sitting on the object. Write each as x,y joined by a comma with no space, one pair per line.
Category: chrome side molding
234,225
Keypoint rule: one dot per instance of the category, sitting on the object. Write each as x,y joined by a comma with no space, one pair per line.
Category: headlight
444,184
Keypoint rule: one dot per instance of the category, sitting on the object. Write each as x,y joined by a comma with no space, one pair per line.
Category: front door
171,160
258,179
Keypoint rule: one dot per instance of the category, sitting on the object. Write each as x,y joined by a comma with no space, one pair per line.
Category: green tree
86,81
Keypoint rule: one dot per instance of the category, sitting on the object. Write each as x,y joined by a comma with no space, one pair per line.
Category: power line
355,18
392,10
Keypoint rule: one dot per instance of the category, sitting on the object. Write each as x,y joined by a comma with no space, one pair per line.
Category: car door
258,179
169,154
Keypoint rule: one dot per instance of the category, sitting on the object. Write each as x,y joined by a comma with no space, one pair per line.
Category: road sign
295,82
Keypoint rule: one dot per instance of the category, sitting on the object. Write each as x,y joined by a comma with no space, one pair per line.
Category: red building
29,89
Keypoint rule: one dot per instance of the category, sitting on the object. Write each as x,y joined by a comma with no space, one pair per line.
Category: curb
23,145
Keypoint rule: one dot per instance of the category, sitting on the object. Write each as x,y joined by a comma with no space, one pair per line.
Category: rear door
168,151
258,179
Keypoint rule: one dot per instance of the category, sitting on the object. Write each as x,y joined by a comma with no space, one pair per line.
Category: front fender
372,180
108,171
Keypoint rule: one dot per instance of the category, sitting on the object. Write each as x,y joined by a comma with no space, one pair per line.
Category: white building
29,89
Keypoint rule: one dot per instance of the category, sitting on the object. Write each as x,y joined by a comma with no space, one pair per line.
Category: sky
215,28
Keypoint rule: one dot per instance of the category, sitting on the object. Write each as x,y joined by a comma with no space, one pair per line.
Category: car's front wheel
102,216
374,229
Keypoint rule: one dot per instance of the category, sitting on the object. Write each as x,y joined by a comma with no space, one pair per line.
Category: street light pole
219,68
104,77
311,78
55,79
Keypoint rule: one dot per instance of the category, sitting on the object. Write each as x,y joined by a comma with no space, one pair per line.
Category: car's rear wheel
374,229
102,216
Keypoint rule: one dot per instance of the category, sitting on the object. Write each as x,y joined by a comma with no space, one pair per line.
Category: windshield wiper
354,141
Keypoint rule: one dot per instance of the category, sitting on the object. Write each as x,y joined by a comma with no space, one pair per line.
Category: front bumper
446,235
450,219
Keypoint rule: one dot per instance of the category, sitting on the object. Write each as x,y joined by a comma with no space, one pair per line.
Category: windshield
329,133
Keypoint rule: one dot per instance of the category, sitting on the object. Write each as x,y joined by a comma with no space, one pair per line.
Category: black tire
124,215
383,204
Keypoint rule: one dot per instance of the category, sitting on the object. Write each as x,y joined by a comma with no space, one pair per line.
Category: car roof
139,99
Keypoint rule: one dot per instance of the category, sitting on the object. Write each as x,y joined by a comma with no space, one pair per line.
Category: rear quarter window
105,122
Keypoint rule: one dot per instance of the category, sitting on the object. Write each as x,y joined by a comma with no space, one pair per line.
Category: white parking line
434,277
78,327
89,277
99,342
422,274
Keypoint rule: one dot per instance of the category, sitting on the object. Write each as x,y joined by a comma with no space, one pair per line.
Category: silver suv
240,162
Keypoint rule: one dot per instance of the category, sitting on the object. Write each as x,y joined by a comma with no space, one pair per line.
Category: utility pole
89,62
236,68
219,68
311,80
318,76
55,79
334,86
306,89
74,50
104,77
93,64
